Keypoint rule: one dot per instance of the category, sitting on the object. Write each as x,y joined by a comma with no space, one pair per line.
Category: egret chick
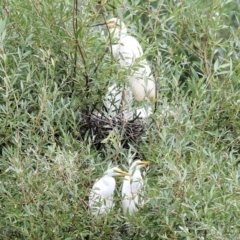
101,195
132,187
126,51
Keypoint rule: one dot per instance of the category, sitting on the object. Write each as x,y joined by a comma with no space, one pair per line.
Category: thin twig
74,20
75,27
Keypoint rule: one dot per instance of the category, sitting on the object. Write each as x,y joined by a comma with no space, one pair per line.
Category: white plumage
128,52
119,100
142,82
132,189
101,195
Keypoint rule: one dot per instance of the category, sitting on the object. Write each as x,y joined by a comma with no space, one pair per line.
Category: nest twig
98,126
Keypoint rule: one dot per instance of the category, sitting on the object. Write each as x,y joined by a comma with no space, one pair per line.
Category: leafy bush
53,66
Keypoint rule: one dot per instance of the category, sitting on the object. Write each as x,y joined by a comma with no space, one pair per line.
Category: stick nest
97,126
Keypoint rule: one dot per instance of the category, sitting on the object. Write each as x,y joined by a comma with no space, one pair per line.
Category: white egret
101,195
132,188
127,51
119,100
143,112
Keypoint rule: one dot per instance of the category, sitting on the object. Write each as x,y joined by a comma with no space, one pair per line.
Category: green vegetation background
52,67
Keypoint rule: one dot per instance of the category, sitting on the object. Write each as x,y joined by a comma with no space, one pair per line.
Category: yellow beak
122,172
145,163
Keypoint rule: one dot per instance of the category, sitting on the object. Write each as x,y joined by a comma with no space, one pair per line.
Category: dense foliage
53,66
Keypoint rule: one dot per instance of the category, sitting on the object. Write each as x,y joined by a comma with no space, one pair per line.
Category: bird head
139,164
116,172
115,26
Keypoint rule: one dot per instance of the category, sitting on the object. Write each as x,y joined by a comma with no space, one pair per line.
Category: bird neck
119,33
107,175
108,179
133,170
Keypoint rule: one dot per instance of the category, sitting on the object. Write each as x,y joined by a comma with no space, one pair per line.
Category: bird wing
127,51
131,186
101,195
102,189
130,192
136,184
142,81
113,99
